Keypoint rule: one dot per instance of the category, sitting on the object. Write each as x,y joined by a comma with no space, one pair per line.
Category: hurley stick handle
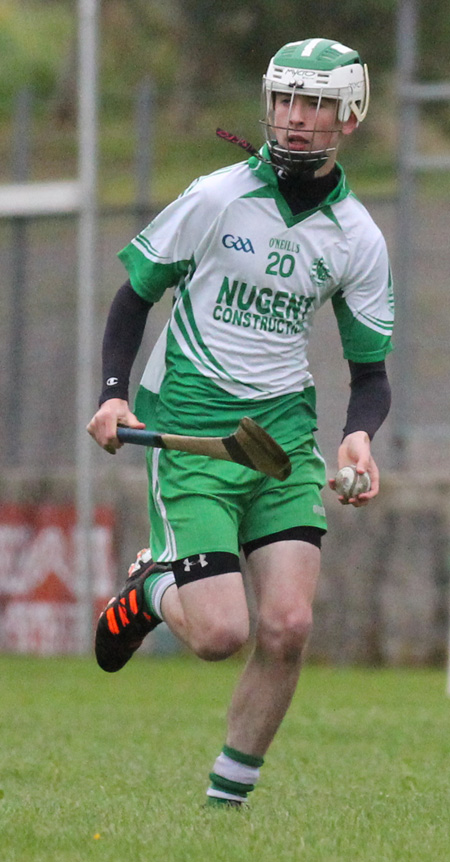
249,446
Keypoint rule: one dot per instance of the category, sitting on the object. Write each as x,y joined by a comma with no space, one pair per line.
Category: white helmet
314,67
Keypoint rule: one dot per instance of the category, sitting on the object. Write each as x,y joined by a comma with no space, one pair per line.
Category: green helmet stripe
310,44
322,54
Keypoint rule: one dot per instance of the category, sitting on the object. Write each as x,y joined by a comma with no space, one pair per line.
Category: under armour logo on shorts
190,562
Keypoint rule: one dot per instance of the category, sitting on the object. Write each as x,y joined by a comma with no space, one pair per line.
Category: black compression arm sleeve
370,397
123,335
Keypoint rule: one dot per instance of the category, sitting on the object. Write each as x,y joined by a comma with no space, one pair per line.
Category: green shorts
199,505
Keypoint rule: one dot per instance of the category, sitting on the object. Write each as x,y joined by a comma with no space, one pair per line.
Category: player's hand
355,450
103,425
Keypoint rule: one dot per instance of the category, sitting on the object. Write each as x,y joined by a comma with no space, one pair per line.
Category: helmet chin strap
297,164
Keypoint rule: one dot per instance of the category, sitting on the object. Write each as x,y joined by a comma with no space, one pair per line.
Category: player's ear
350,125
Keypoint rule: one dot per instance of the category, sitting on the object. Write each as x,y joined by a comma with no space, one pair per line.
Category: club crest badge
319,273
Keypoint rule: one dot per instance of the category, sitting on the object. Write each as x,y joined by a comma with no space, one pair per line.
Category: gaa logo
236,242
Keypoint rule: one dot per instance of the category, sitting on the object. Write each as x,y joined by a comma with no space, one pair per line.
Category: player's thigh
213,602
284,575
217,605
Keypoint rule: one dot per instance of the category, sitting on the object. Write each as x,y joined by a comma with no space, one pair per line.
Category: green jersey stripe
376,323
208,356
148,249
182,335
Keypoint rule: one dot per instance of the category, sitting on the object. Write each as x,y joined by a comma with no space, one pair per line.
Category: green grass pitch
99,767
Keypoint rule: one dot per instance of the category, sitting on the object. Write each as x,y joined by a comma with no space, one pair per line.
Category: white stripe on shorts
170,551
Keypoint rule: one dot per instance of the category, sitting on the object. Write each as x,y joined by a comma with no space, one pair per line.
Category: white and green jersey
249,277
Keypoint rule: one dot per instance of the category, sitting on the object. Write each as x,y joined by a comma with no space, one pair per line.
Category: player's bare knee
284,637
219,641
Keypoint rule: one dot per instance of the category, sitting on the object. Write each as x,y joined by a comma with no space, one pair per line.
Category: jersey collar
268,177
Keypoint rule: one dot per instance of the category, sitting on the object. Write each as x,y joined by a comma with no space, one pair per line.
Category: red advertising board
40,599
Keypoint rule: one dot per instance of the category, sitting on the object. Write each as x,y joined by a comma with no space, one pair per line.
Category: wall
383,593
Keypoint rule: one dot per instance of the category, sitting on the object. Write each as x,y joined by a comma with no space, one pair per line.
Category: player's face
305,123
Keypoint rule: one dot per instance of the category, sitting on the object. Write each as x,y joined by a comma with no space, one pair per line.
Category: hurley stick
250,446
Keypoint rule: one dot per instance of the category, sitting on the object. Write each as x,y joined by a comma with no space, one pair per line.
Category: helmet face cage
290,160
325,70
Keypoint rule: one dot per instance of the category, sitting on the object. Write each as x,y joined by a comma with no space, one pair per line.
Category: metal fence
38,338
38,277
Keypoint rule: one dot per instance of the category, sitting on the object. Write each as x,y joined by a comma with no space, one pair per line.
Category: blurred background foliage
205,59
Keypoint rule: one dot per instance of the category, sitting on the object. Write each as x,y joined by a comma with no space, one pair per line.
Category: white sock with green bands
154,588
234,775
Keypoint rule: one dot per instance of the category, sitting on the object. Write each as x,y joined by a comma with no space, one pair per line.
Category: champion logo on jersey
236,242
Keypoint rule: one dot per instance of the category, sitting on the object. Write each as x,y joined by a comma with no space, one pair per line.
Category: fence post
87,249
20,172
145,108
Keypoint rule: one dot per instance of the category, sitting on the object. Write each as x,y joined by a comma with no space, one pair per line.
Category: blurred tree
434,57
218,45
198,51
